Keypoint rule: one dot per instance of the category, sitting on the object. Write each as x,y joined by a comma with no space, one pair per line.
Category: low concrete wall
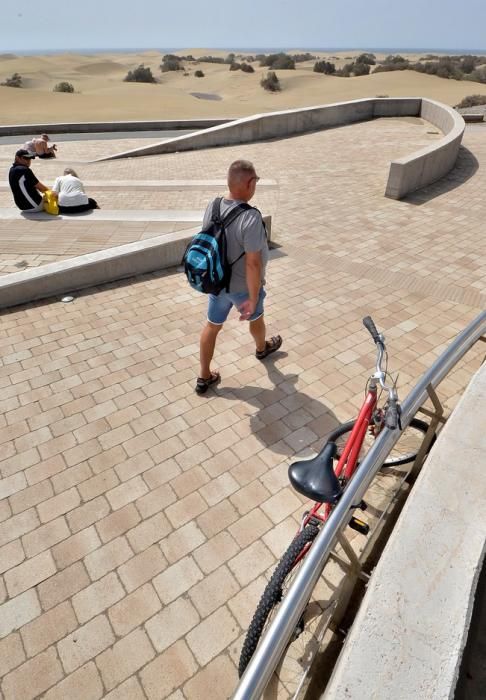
100,267
260,127
411,629
406,174
93,127
429,164
94,268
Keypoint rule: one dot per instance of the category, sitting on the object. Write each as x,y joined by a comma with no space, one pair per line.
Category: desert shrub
15,81
170,63
324,67
361,68
230,58
472,101
367,58
476,76
345,71
384,67
301,57
280,61
199,74
212,59
271,82
63,86
141,74
246,68
235,66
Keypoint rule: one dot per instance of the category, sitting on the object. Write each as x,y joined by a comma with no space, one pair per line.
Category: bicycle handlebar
393,411
370,326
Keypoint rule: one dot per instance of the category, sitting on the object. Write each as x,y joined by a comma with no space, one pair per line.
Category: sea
254,50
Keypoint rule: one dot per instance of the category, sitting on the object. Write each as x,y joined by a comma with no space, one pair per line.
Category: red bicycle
323,479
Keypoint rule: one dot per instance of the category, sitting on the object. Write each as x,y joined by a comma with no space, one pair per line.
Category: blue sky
28,25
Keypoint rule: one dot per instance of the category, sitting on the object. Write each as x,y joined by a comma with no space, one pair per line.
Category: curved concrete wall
406,174
429,164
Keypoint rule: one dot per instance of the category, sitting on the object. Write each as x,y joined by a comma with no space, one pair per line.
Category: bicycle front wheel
404,451
275,591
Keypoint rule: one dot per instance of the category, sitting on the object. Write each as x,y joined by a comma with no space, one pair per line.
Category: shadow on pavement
288,421
465,167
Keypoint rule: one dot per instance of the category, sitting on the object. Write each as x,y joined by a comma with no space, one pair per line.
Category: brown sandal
202,385
270,346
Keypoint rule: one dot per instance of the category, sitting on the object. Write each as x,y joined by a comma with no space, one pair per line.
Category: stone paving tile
139,521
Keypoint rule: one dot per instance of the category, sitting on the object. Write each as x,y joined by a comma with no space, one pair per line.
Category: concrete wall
103,266
94,127
429,164
260,127
407,640
406,174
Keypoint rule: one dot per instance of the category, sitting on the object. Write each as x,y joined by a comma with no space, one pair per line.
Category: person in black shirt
26,188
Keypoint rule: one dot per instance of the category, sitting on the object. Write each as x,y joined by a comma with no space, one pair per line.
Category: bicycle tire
403,452
273,593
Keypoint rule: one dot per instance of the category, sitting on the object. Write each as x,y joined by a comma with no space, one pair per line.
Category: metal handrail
267,655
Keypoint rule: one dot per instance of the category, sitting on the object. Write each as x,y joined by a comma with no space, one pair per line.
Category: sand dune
101,93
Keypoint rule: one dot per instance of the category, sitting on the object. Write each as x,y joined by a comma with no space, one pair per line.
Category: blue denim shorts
220,306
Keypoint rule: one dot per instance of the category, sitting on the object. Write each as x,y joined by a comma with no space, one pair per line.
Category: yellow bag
50,203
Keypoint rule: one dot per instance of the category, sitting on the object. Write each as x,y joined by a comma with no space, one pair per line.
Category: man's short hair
240,170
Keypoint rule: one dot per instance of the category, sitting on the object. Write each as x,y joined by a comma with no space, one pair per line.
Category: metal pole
272,646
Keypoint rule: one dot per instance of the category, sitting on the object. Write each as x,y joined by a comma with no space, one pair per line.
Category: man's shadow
287,421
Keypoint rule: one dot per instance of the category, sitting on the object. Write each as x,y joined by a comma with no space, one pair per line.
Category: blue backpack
205,260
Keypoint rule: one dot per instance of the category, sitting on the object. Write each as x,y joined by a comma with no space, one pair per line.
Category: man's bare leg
207,343
257,329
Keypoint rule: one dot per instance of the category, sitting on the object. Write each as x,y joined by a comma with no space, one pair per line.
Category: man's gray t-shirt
244,235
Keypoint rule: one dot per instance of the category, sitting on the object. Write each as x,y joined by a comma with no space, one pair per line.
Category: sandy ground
102,94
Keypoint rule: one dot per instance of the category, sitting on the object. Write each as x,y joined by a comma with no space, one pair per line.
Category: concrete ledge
94,268
408,637
93,127
103,266
117,185
406,174
187,216
473,118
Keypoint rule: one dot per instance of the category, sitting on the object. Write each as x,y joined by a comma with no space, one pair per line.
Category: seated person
42,147
30,146
26,188
71,197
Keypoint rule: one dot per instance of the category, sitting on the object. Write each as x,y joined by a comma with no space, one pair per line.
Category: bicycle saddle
315,478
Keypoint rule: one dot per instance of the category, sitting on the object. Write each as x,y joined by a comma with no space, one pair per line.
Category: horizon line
134,49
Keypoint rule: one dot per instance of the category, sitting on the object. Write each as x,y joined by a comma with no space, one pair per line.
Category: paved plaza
140,521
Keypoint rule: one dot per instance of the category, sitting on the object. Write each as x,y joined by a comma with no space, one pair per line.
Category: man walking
26,188
248,251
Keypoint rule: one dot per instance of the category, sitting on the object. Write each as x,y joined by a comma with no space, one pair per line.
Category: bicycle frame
346,465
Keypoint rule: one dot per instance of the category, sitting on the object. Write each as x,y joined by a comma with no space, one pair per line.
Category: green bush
171,62
212,59
367,58
141,74
199,74
280,61
472,101
271,82
235,66
361,68
63,86
246,68
324,67
15,81
301,57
